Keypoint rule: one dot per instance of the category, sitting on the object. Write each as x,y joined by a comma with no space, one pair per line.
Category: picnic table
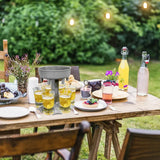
133,106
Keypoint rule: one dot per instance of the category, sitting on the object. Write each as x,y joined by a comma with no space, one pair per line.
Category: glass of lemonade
65,98
38,95
61,88
73,94
47,90
48,100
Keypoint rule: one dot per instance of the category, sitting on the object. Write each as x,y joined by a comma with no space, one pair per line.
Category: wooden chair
4,56
13,145
140,144
75,72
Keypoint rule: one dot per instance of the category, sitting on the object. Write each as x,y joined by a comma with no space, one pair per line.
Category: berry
3,85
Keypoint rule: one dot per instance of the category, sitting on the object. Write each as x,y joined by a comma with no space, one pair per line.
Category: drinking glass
61,88
72,91
48,100
86,92
38,95
47,90
65,98
107,91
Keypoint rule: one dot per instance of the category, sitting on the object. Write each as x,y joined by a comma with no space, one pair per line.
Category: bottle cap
146,57
124,51
45,80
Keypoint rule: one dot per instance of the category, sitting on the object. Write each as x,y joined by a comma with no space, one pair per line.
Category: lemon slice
8,95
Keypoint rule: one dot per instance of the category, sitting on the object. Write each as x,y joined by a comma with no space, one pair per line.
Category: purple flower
117,74
17,57
125,86
110,72
107,73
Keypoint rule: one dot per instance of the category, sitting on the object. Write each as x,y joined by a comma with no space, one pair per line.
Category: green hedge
43,27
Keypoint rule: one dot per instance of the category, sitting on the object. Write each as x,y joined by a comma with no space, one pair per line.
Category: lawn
96,72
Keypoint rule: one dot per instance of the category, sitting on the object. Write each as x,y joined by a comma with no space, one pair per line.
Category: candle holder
85,92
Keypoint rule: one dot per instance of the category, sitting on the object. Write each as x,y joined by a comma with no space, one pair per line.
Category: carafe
123,70
143,76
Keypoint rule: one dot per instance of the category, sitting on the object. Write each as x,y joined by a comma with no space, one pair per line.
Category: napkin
32,82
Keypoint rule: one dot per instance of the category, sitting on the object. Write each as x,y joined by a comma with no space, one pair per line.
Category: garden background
43,27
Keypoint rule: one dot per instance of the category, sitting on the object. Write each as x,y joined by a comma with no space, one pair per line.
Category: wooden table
133,106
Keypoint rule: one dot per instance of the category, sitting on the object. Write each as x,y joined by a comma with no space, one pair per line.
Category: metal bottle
143,75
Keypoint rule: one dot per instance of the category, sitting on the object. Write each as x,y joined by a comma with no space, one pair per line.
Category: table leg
16,158
116,144
89,138
112,129
108,141
95,142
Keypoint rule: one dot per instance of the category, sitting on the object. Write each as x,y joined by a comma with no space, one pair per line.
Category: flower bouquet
111,78
20,69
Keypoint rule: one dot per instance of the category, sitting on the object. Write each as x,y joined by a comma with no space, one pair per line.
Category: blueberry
3,85
7,89
15,94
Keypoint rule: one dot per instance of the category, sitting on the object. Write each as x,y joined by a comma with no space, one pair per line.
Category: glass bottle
143,76
123,70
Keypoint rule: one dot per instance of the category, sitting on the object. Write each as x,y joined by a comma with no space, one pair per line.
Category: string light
145,5
71,22
108,16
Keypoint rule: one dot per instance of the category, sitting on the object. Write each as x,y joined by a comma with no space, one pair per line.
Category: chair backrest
4,56
75,72
140,144
13,145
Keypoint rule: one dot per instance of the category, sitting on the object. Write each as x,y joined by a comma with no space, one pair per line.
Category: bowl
54,72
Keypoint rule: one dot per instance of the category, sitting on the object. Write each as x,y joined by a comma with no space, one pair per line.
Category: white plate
118,95
101,105
13,112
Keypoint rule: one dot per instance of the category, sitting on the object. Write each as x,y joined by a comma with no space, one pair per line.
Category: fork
74,111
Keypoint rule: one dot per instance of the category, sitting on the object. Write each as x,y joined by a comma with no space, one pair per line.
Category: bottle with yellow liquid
123,70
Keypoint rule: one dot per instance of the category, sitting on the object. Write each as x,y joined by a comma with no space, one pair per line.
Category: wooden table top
133,106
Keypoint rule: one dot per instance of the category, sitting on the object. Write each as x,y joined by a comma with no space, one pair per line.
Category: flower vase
22,86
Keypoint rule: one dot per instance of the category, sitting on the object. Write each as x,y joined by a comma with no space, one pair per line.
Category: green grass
148,122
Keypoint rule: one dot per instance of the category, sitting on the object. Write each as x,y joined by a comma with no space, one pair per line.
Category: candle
85,92
32,82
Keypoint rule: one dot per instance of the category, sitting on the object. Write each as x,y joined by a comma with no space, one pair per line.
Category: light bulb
108,16
145,5
71,22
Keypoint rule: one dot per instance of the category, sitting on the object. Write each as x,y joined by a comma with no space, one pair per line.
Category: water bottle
143,76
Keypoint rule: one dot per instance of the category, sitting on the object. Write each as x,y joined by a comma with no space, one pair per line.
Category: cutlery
33,109
112,108
74,111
